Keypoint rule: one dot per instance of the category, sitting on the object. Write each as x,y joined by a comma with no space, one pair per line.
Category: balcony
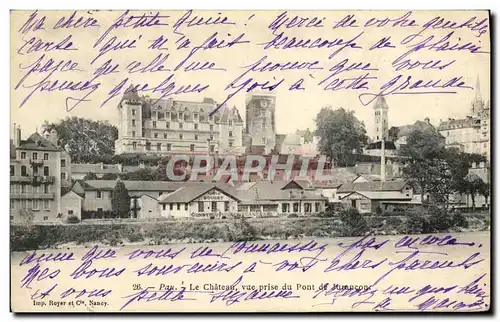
36,162
21,179
33,179
32,195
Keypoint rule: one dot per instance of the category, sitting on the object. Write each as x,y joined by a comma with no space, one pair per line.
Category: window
99,194
196,137
160,194
167,115
12,206
195,116
34,156
196,126
23,188
214,206
46,204
148,146
133,122
296,207
23,204
46,171
154,124
211,137
307,207
180,125
186,117
167,125
316,207
178,206
181,136
230,123
164,207
154,116
45,217
133,112
133,133
165,135
158,146
23,155
212,148
171,206
185,206
230,144
45,188
226,206
45,156
63,175
161,115
35,170
23,171
134,145
99,210
230,133
191,148
11,217
70,212
155,135
12,170
35,204
200,206
63,163
211,127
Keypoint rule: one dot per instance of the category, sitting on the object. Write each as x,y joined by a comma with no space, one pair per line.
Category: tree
109,176
145,174
90,176
474,186
120,200
340,133
88,140
424,144
484,190
353,222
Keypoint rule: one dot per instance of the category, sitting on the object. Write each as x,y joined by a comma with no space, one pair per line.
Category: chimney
17,135
101,165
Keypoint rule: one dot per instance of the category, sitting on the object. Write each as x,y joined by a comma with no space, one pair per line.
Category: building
381,118
370,197
39,170
202,201
261,119
472,133
80,170
399,134
167,126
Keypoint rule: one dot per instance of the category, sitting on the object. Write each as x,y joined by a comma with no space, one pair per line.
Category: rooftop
373,186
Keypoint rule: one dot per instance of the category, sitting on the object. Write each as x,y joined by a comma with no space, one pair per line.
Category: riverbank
120,233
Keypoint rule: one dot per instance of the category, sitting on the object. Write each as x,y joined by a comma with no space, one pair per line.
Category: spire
477,103
380,103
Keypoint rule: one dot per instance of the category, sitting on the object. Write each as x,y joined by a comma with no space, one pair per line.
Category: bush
378,210
292,216
417,224
459,220
353,223
439,219
73,220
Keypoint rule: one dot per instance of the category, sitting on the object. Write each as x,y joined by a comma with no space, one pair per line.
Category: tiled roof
189,193
382,195
373,186
38,142
459,123
94,168
381,103
272,190
134,185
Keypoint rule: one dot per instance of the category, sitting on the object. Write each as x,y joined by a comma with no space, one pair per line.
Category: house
71,205
144,206
203,200
368,196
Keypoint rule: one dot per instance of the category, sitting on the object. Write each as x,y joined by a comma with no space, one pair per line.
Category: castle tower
477,104
381,127
260,119
130,121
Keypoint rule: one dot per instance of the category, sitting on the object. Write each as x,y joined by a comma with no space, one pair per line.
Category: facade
39,169
170,126
472,133
399,134
261,119
72,205
80,170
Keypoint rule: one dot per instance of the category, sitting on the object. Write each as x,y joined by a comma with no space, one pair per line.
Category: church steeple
381,119
477,103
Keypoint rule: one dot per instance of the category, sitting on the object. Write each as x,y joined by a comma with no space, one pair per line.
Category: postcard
250,161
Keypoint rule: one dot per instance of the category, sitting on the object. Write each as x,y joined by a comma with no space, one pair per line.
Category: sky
294,110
